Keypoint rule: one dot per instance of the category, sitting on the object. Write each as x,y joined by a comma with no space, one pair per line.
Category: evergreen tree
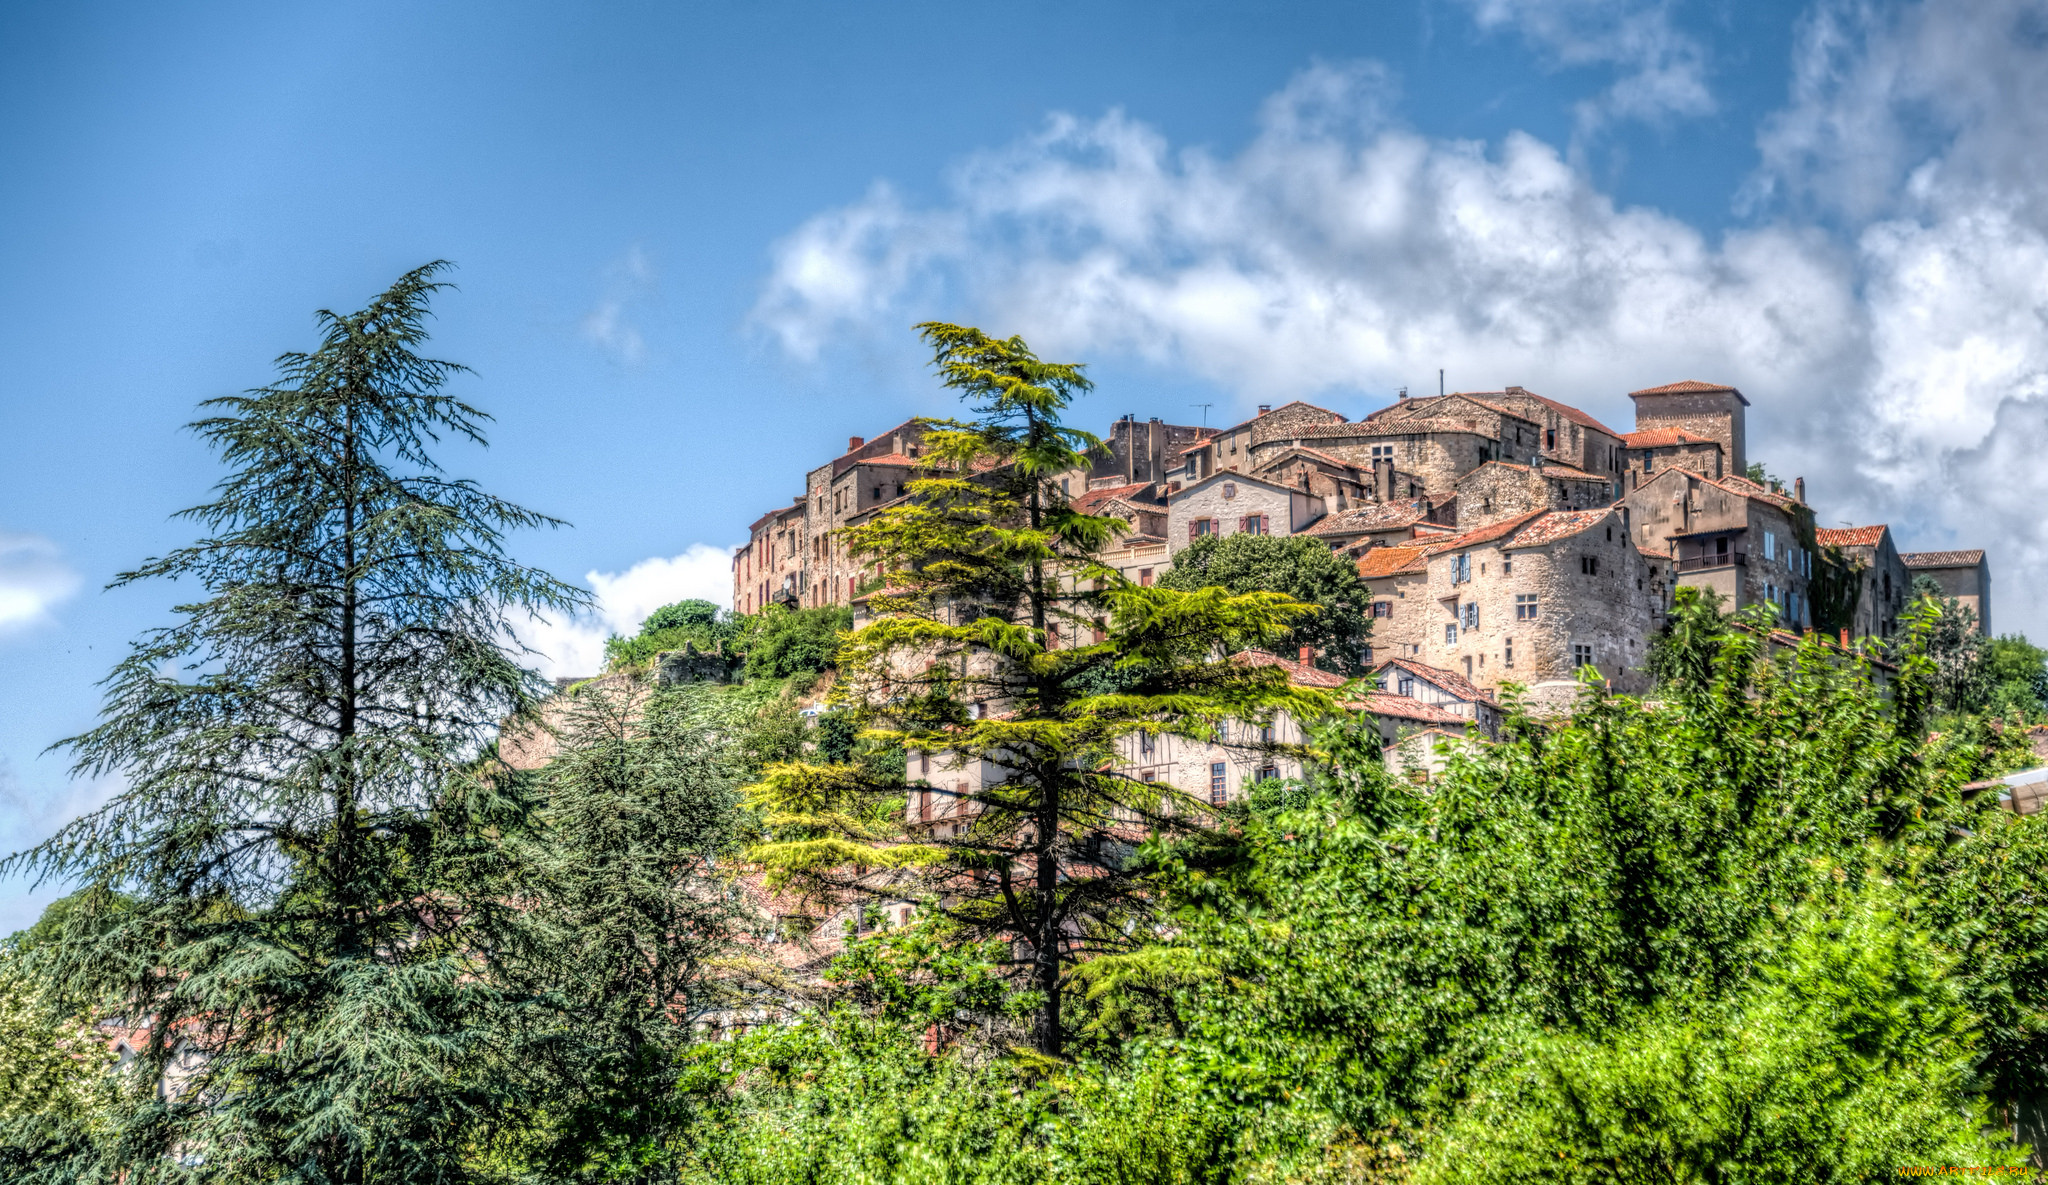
304,895
988,648
1301,567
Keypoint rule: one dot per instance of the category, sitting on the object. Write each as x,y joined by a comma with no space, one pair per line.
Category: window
1198,527
1525,606
1589,565
1368,654
1649,461
924,806
1229,490
1268,773
1217,783
1507,565
1461,569
1770,545
1550,438
1507,653
924,764
1383,608
1252,524
1144,578
1407,686
1147,743
1771,591
1064,491
1385,451
1266,734
1582,655
1451,634
1468,666
1471,617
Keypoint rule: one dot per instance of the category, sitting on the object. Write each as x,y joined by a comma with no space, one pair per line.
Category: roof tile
1943,559
1850,536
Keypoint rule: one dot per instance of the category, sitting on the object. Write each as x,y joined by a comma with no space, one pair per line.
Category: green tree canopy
1296,566
298,893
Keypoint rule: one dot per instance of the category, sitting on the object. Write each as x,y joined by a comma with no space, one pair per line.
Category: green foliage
1296,566
800,644
685,623
284,888
2016,672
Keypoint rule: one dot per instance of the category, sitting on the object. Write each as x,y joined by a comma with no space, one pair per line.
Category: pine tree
303,888
999,641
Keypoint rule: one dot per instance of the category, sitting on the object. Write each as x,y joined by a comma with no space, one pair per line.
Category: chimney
1799,490
1264,408
1845,637
1383,479
1403,396
854,442
1308,656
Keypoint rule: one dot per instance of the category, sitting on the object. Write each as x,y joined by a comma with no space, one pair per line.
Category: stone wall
1228,499
1968,583
1499,490
1716,415
1610,610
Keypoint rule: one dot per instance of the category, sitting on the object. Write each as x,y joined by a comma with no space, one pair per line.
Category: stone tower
1701,409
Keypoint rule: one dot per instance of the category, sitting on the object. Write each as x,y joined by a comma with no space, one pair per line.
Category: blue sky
691,240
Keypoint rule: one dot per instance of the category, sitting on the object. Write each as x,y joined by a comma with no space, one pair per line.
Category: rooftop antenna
1205,411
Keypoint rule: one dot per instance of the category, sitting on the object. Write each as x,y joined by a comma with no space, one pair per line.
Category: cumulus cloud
629,282
33,579
1663,69
575,645
1886,309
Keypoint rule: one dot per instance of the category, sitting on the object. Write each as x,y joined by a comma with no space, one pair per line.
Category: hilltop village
1507,537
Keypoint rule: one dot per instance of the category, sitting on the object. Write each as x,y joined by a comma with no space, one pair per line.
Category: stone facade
1653,450
1709,411
1733,537
1882,581
1230,449
1398,578
1501,490
1230,503
1445,691
1538,598
1964,575
1143,450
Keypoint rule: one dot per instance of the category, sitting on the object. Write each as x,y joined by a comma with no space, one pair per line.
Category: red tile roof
1689,387
1381,516
1318,454
1568,412
1087,503
1451,681
1749,489
1943,559
1382,562
1556,525
1850,536
1300,673
1665,438
1489,533
1402,707
1550,468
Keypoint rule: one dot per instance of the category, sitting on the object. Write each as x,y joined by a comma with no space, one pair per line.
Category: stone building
1560,433
1230,449
1707,411
1398,578
1538,598
1143,450
1882,581
1732,536
1376,524
1653,450
1500,490
1436,440
771,568
1337,482
1963,575
1232,503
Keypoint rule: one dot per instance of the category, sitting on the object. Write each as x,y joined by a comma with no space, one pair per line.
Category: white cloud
1663,69
629,283
575,646
1889,320
33,579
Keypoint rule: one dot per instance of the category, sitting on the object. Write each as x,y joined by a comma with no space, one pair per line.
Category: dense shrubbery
1299,566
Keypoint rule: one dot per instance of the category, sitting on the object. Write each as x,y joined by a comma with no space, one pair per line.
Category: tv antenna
1205,411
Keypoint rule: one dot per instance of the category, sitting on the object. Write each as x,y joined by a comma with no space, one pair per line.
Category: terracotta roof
1665,438
1087,502
1556,525
1567,411
1749,489
1849,536
1382,562
888,459
1451,681
1380,516
1414,426
1943,559
1487,534
1402,707
1688,387
1660,556
1304,674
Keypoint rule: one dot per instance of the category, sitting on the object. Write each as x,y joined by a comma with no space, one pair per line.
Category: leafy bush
694,623
1301,567
785,643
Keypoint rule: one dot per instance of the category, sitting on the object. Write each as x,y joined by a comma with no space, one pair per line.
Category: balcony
1700,563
